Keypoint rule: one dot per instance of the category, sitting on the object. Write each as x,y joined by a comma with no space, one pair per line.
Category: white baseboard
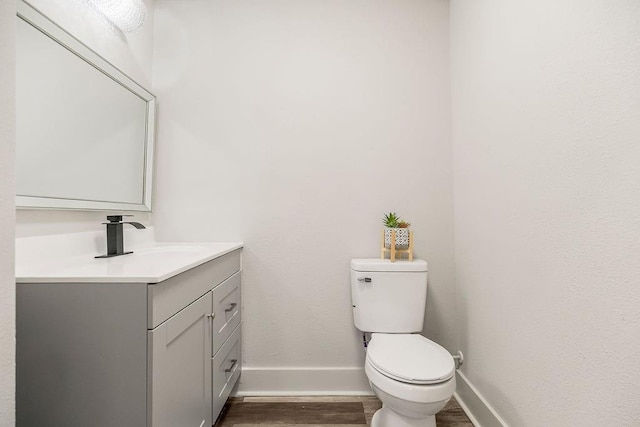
475,405
349,382
303,382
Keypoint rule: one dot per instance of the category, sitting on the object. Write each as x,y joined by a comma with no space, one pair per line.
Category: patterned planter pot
402,238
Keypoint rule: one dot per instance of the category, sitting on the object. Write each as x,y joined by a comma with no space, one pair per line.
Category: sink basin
169,249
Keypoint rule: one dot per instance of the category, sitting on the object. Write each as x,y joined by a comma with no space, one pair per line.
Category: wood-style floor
318,411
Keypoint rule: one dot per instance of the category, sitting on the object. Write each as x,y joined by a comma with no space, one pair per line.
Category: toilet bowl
412,376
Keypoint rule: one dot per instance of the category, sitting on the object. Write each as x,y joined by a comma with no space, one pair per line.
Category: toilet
413,377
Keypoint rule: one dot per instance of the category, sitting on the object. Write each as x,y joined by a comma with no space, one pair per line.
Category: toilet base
385,417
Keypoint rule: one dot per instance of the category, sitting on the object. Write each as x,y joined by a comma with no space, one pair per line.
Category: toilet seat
423,393
410,358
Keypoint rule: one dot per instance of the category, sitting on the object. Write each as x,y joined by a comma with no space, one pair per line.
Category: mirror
84,129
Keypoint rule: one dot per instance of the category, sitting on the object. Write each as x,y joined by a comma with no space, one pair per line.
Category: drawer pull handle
231,307
234,362
211,316
364,279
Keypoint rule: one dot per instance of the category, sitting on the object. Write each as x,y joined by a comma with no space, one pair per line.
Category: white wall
7,214
132,53
546,131
294,126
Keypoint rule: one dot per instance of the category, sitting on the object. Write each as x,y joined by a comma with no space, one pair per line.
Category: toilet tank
388,296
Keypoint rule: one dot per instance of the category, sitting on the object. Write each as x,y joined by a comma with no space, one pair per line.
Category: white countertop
150,262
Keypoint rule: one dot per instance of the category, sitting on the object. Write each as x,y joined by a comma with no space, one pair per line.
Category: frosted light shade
128,15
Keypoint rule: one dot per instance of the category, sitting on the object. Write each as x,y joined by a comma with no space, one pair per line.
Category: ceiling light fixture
128,15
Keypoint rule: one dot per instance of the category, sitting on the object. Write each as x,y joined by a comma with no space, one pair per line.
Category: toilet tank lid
375,264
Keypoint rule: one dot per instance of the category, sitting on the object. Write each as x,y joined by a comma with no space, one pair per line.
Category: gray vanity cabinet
161,354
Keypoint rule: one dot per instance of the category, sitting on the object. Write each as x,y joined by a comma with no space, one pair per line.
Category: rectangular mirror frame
38,20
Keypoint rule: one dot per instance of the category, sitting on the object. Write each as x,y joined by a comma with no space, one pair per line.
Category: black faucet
115,239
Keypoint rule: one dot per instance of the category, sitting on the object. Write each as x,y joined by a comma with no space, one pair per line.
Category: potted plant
392,222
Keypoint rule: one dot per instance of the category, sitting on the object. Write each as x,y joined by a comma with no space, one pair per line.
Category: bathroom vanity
151,338
147,339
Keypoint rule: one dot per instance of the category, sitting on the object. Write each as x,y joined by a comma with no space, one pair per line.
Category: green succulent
391,220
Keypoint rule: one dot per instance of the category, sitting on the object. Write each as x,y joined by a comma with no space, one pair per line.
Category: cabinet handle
233,365
364,279
231,307
211,316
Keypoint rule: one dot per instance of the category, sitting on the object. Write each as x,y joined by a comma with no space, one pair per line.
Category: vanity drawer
170,296
225,369
227,308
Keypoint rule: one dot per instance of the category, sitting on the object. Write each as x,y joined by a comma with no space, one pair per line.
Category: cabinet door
180,368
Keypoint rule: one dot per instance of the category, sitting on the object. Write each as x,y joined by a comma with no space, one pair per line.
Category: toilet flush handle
364,279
